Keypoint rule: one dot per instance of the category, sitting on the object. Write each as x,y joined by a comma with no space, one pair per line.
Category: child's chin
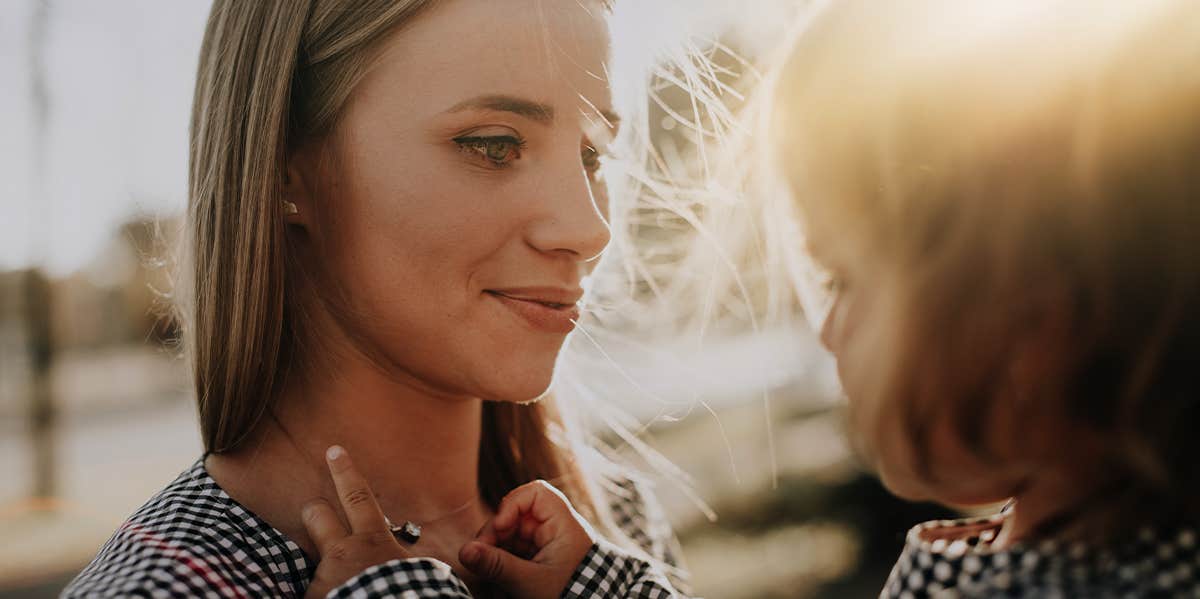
906,489
902,483
909,489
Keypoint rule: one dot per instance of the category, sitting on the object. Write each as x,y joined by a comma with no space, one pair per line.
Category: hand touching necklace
410,531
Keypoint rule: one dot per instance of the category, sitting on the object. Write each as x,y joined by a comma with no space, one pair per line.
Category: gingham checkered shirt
193,540
955,559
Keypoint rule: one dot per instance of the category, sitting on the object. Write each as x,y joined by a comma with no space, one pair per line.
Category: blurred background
95,411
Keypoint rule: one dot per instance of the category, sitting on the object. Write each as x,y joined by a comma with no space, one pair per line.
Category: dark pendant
409,532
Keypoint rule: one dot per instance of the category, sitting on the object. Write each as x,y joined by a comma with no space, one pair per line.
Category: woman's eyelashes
594,157
501,151
590,157
497,151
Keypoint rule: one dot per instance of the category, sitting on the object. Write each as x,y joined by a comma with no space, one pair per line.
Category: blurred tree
38,295
42,413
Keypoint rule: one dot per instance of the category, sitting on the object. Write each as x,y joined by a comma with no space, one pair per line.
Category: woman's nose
570,217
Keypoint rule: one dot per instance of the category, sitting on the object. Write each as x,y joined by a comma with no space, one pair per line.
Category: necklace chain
455,511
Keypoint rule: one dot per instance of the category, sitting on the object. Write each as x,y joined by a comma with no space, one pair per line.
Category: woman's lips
545,315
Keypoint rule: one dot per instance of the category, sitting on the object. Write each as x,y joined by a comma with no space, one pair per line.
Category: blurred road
110,463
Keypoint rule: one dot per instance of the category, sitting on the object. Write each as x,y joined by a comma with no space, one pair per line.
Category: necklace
409,532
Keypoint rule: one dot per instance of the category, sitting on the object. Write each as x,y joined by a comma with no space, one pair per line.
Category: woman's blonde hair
274,74
1009,173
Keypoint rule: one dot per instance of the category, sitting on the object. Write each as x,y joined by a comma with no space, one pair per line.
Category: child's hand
345,554
533,545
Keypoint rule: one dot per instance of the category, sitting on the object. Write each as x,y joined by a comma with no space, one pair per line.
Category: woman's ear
297,204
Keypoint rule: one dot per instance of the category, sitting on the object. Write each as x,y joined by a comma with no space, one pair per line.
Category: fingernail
308,510
470,553
334,452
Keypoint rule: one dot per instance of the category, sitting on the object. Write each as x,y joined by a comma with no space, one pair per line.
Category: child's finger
487,534
537,499
503,526
362,511
511,541
499,566
547,532
322,524
508,514
529,526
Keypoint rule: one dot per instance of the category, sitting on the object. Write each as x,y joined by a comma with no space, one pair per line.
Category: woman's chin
521,388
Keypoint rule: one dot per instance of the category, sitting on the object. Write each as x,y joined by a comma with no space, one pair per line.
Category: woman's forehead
551,53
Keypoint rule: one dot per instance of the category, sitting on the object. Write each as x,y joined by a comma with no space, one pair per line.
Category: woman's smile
550,309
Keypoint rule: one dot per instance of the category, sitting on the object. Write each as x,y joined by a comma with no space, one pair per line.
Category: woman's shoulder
187,539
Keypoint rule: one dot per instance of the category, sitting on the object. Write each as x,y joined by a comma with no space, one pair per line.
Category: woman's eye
499,150
590,158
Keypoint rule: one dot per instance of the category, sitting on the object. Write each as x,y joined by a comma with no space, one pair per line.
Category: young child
1006,195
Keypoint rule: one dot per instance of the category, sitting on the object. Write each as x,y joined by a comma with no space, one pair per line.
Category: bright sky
119,76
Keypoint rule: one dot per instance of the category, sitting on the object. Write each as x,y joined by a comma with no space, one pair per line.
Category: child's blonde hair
1020,183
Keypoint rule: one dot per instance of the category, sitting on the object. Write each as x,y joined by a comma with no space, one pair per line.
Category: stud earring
290,208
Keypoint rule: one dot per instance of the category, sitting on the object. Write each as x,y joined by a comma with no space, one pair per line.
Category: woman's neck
419,449
397,432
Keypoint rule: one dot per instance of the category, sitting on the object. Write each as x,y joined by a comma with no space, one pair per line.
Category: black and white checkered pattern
405,578
193,540
950,559
606,571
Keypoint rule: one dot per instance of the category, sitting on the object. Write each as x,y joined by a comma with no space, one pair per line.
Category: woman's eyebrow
530,109
534,111
610,118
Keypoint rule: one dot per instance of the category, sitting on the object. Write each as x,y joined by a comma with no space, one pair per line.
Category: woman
1005,195
393,205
